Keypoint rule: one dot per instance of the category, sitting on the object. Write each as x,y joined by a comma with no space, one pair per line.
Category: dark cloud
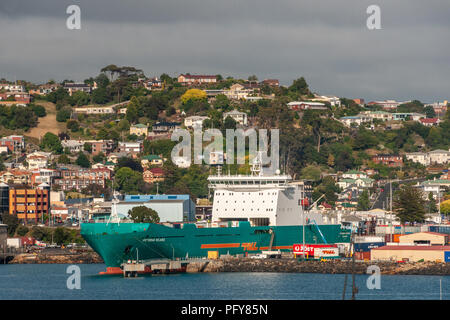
326,41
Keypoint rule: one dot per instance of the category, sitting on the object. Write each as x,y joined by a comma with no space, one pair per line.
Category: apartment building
29,204
79,179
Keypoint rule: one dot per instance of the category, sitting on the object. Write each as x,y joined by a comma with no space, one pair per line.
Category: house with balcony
191,79
139,129
390,160
239,117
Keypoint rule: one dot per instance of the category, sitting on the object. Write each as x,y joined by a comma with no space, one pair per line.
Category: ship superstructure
262,199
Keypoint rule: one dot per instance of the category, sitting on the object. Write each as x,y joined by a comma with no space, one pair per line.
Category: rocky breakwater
63,258
327,267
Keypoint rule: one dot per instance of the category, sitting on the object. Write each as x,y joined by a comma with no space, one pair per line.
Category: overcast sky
325,41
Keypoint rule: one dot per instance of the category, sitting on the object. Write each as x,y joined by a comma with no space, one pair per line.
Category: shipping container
440,229
27,241
362,256
368,239
365,247
326,253
447,256
310,248
14,243
213,255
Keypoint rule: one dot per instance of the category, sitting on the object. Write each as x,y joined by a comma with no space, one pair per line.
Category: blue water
48,281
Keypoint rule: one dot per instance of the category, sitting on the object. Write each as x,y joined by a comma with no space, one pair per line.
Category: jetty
161,266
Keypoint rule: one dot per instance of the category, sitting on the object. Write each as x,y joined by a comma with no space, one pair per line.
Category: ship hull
117,243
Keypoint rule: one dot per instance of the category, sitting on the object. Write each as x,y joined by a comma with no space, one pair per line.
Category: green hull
116,243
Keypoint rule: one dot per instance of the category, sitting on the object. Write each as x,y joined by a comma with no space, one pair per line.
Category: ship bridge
246,182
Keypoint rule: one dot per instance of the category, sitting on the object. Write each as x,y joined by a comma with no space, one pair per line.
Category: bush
22,230
39,110
64,114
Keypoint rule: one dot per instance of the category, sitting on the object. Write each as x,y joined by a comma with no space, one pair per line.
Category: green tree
432,207
409,204
51,142
61,236
300,86
222,102
128,180
39,110
229,123
363,201
100,157
429,111
12,222
73,125
133,110
142,214
83,160
445,207
22,230
64,114
87,147
63,159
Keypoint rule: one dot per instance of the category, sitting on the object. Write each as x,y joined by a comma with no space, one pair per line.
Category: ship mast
256,168
114,217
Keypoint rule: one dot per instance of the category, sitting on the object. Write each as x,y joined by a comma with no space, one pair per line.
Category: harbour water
49,281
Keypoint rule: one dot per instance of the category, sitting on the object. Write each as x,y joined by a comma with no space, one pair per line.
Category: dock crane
314,221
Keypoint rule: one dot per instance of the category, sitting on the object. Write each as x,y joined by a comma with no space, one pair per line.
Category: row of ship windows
242,201
250,193
267,209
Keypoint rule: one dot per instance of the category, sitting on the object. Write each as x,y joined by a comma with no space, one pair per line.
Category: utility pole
390,199
354,288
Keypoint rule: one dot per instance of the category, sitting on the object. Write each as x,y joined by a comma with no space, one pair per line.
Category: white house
239,117
305,105
358,120
38,160
432,157
439,156
194,121
353,174
73,145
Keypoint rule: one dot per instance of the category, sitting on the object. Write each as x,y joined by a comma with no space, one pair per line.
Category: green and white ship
251,213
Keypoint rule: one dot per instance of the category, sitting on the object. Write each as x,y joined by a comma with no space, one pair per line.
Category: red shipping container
309,248
28,241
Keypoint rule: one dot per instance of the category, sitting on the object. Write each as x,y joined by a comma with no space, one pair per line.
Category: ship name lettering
155,240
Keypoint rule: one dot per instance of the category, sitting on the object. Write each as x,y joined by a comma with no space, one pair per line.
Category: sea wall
70,258
328,267
261,265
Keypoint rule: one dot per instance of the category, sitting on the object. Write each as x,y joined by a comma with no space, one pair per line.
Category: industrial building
429,238
170,208
411,253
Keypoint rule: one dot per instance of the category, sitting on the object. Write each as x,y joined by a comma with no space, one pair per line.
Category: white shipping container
14,243
368,239
326,252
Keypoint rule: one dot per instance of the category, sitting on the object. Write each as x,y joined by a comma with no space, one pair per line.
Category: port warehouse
426,246
170,208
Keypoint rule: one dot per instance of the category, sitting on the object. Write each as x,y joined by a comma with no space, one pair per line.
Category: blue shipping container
367,246
447,256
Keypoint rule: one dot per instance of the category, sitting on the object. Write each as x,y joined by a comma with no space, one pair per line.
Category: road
382,201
